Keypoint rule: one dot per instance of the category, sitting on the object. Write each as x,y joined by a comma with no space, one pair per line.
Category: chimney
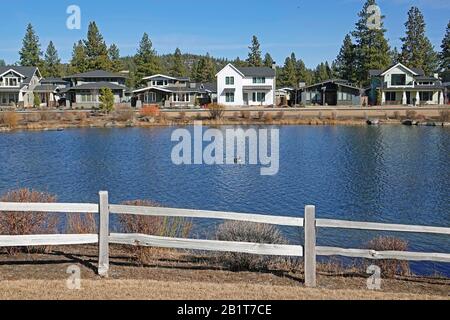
436,75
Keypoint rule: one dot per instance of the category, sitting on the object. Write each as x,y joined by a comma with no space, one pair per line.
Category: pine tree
178,69
78,64
268,61
106,100
322,72
2,63
30,54
147,62
239,63
417,50
288,76
371,47
445,53
114,57
345,61
52,63
205,70
254,56
395,56
96,50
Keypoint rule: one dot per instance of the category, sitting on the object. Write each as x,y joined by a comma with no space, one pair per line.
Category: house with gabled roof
246,86
17,84
84,88
402,85
332,92
174,92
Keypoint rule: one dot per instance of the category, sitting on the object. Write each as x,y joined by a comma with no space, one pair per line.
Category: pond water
391,174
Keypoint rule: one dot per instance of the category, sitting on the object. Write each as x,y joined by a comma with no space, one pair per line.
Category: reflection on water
389,174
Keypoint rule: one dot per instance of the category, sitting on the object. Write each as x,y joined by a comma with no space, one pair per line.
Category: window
259,96
11,82
390,96
181,97
150,97
229,96
398,79
229,81
259,80
426,96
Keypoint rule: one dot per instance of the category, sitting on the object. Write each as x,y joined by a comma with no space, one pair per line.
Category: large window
259,96
181,97
150,97
391,96
426,96
229,97
88,97
398,79
229,81
259,80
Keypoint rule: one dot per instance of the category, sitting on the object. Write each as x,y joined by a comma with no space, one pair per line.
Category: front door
245,98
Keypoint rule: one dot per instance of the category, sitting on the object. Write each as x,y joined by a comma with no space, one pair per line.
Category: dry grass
216,111
27,223
123,113
444,116
247,232
11,119
156,226
390,268
150,111
171,290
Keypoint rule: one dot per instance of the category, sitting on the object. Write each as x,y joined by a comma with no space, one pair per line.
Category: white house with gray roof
17,85
249,86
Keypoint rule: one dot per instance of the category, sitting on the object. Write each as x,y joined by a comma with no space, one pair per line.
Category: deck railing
309,223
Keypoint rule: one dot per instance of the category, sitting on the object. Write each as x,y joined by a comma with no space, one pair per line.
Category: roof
96,86
170,89
27,72
340,82
96,74
257,71
45,88
53,80
166,77
425,78
376,72
212,86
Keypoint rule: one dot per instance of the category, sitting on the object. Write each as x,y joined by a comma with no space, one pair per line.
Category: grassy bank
185,275
54,120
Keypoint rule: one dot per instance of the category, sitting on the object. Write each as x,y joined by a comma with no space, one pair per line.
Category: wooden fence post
103,237
310,247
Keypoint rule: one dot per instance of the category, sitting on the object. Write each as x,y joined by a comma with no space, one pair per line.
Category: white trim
160,75
232,66
398,65
1,75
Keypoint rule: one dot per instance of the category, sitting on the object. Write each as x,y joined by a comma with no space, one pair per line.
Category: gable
230,69
12,73
399,69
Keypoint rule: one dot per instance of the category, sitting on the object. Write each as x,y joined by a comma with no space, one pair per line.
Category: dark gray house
84,88
333,92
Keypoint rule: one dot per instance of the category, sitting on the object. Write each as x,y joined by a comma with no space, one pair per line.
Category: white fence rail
309,223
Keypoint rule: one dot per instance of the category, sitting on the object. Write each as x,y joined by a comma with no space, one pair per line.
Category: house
249,86
333,92
401,85
84,88
17,85
284,96
49,90
174,92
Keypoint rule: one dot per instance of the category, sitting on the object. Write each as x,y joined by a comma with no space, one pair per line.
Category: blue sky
313,29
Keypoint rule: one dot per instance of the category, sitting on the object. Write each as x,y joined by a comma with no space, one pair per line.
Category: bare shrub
397,115
216,111
69,116
280,115
10,119
444,116
150,111
182,116
411,114
248,232
47,116
27,223
334,115
123,113
390,268
81,223
156,226
33,117
261,115
268,118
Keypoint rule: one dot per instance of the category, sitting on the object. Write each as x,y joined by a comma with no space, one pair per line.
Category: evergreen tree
205,70
395,56
30,54
239,63
178,69
52,62
78,64
96,50
114,57
106,100
288,76
147,62
345,61
445,53
417,50
254,56
268,61
2,63
322,72
371,47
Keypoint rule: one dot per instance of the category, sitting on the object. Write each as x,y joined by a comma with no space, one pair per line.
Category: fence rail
309,223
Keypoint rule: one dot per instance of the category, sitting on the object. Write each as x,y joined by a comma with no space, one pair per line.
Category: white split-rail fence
310,251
